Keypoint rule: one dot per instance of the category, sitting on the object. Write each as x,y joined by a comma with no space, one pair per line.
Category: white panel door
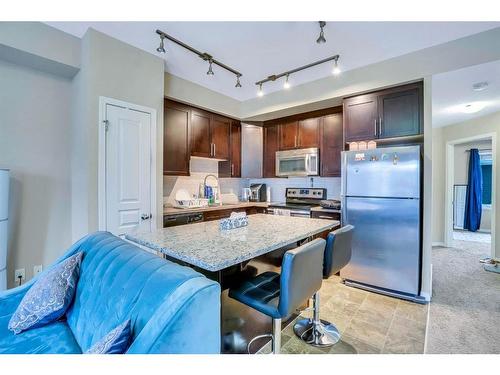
128,170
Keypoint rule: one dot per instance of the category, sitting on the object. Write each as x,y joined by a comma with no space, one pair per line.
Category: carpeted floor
464,314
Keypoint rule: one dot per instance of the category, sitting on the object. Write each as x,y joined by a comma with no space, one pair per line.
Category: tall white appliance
381,191
4,213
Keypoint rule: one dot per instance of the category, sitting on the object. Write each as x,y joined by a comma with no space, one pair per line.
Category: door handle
380,126
146,216
232,169
375,127
214,150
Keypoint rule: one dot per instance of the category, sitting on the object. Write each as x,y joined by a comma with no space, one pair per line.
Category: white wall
116,70
489,124
34,144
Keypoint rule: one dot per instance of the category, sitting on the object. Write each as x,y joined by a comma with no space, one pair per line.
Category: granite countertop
177,211
206,246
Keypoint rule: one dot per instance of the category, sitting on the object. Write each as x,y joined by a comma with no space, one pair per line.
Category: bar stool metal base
320,334
315,331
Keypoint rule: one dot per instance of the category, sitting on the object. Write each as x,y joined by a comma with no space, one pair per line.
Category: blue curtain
473,198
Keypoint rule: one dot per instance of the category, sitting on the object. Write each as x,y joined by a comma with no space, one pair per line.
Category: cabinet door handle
380,126
295,141
375,127
325,217
232,170
214,150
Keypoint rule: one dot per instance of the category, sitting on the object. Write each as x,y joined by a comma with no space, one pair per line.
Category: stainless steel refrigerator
381,198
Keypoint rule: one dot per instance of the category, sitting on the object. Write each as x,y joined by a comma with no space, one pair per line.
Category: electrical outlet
19,272
37,269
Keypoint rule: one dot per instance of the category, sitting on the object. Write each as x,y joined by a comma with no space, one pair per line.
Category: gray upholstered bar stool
279,295
316,331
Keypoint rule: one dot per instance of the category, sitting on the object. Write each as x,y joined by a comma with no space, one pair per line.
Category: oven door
297,163
288,212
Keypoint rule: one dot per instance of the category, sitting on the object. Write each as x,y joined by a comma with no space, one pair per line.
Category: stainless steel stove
299,202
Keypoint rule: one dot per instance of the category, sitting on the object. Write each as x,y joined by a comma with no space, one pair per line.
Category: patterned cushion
49,298
261,293
115,342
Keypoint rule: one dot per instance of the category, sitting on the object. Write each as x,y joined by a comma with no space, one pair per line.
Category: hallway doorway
457,164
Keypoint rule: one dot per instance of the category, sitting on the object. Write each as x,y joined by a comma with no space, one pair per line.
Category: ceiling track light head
286,85
210,71
238,83
161,48
336,70
260,92
321,39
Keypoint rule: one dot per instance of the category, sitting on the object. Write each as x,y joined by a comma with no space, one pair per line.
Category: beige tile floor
369,323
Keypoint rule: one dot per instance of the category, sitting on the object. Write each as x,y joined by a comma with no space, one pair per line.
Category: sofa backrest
119,281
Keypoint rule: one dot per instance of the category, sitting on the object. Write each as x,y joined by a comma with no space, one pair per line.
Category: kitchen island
205,246
231,255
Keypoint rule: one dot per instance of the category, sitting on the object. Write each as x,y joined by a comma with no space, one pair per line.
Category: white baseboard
438,244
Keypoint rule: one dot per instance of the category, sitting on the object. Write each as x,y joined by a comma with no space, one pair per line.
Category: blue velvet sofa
172,308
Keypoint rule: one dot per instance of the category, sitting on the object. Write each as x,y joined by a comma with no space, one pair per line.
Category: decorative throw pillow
115,342
49,297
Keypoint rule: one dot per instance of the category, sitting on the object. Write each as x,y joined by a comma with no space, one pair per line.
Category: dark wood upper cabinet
200,134
308,133
299,134
220,132
332,145
176,123
399,113
232,167
389,113
235,149
360,118
288,135
271,145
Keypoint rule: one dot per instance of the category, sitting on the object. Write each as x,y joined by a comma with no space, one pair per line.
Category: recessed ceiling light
473,107
480,86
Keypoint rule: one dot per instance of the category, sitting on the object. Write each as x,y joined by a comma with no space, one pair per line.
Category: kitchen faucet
218,186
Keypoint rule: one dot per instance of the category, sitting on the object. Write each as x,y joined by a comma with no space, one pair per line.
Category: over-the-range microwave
302,162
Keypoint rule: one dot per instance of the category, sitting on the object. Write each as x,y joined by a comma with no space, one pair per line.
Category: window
486,172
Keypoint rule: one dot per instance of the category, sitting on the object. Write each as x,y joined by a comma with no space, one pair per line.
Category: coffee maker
258,193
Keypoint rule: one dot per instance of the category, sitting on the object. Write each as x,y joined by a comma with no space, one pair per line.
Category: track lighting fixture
210,71
238,84
336,70
202,55
161,48
321,38
286,85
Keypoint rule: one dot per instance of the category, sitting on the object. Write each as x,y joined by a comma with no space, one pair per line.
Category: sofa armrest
187,322
11,298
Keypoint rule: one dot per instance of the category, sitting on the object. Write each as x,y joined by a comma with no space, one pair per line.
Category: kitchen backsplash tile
279,185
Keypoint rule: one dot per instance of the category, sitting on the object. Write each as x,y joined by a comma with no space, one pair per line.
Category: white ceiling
451,91
259,49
